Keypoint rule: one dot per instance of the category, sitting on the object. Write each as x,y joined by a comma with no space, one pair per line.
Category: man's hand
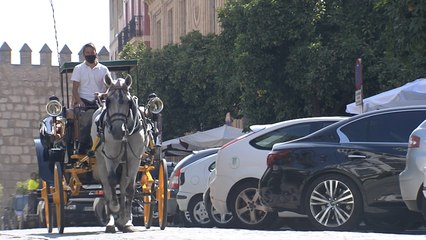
79,103
100,96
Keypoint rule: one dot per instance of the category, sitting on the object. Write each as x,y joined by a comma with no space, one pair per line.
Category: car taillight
273,157
414,141
174,180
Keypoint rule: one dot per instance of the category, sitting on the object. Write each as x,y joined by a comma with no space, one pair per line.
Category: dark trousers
85,124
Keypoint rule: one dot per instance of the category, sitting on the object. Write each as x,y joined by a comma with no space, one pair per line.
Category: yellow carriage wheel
47,219
161,194
58,197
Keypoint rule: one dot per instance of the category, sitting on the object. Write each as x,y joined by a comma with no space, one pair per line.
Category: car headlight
54,108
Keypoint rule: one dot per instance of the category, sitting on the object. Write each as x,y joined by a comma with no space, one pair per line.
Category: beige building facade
160,22
172,19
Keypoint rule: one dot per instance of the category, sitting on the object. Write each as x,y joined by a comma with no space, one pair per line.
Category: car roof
195,156
350,119
256,128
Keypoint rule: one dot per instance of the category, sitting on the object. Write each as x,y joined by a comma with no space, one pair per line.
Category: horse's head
118,105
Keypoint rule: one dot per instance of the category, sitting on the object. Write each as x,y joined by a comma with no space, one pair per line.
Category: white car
411,179
193,181
241,163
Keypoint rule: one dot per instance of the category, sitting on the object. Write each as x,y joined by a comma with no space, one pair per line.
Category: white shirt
91,79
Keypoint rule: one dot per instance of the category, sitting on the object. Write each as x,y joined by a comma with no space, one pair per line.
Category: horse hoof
110,229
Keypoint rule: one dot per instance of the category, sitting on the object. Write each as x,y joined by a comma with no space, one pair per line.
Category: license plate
70,207
88,209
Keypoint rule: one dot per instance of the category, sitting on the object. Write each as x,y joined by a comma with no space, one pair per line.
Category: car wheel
197,212
184,219
333,202
218,220
247,209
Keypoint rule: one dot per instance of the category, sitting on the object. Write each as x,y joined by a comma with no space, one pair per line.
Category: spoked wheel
58,197
161,194
148,211
45,191
334,202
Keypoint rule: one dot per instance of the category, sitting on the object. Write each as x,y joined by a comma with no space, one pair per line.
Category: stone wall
24,92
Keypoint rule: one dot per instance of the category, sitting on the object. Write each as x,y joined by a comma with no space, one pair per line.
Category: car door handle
357,156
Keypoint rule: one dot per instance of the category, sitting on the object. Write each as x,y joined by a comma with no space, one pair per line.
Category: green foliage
21,187
277,60
186,77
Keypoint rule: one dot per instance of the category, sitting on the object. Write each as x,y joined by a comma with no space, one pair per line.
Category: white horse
118,131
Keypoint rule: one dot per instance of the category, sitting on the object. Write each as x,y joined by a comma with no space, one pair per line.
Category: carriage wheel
47,203
58,197
148,211
161,194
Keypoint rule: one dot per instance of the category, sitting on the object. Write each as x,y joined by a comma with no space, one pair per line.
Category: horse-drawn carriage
64,170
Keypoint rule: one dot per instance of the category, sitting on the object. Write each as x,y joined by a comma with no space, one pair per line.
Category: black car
345,173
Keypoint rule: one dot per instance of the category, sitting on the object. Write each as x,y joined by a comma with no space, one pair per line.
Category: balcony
133,29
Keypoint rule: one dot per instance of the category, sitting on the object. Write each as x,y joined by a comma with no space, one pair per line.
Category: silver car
411,179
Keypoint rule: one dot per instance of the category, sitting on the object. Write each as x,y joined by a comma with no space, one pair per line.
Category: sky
31,21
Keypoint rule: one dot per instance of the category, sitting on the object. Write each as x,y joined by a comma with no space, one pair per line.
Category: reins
134,113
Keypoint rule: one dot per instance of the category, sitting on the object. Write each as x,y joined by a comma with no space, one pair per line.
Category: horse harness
106,120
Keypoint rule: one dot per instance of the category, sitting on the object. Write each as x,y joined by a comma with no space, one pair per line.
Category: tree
193,80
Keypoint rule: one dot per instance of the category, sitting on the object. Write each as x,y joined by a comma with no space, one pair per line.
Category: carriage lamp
54,108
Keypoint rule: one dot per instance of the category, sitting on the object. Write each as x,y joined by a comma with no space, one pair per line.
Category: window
288,133
388,127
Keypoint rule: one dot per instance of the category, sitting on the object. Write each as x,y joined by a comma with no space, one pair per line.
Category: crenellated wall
24,91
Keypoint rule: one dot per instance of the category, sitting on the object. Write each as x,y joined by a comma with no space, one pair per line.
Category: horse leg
110,227
108,178
125,217
113,203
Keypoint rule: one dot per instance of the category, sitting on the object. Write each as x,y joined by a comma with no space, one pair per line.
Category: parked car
192,184
220,220
241,163
172,207
346,173
412,178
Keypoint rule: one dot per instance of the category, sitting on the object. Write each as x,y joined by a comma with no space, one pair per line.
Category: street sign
358,83
358,97
358,74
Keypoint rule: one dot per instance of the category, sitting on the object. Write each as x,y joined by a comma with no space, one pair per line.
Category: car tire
322,207
247,209
218,220
197,212
184,219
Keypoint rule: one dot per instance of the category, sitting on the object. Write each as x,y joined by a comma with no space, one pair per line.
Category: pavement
177,233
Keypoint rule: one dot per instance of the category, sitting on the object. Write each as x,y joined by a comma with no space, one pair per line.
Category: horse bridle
117,116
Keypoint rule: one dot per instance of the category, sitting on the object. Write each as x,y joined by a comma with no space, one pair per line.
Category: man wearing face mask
87,82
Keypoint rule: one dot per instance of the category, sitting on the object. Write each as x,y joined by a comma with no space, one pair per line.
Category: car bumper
219,189
182,199
410,181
